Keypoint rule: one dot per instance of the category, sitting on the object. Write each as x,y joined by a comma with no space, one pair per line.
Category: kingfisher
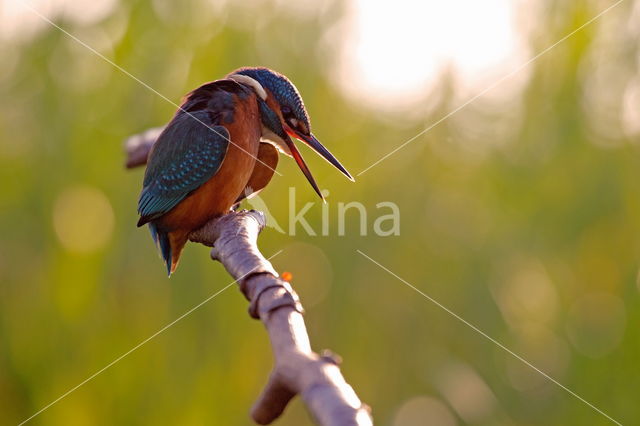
221,146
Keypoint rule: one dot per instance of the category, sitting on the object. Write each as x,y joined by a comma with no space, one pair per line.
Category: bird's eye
286,111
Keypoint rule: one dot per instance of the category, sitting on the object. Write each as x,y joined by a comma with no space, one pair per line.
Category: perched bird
220,147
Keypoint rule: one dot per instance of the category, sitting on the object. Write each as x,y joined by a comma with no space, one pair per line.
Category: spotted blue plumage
187,154
282,88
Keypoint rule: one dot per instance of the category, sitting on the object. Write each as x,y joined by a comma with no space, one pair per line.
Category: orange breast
219,193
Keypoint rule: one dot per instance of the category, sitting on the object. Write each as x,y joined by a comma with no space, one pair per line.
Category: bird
221,146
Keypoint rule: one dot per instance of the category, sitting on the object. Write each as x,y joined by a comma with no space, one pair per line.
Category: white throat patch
245,79
269,137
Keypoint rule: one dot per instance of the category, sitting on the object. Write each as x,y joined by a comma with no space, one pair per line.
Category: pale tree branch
137,147
298,369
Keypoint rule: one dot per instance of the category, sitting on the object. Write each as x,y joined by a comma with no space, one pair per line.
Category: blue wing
187,154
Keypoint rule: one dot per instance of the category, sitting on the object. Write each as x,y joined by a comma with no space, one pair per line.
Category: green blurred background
520,212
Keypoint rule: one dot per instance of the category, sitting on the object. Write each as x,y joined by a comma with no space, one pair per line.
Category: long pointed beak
320,149
303,166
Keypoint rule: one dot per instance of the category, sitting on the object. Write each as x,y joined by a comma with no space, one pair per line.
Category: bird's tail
169,245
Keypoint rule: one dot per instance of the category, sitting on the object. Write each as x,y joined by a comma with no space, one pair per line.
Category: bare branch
138,146
298,370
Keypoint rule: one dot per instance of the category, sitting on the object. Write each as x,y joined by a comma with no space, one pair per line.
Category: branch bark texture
298,369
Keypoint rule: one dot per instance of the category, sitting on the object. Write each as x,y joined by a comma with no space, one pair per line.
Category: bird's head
284,116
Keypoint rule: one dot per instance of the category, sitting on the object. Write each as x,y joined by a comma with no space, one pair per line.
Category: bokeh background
520,212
